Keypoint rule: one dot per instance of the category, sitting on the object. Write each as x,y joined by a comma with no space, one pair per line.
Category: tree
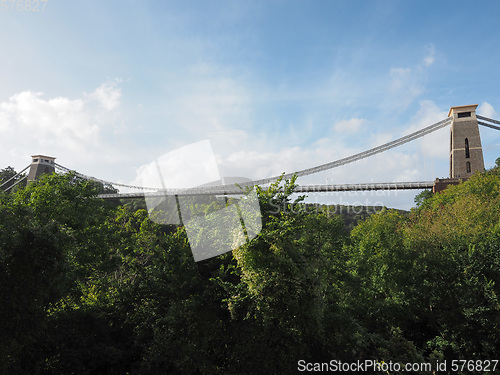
287,277
57,254
93,288
422,198
32,271
458,235
430,281
382,289
7,174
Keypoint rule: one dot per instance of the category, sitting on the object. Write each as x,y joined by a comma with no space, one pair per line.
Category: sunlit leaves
436,274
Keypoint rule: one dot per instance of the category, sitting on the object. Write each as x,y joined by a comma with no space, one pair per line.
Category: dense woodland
89,287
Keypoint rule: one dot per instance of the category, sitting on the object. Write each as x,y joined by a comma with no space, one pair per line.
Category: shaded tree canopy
93,288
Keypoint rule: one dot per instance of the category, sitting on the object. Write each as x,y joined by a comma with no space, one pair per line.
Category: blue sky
276,86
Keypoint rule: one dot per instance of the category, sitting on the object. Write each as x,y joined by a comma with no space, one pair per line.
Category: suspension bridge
465,158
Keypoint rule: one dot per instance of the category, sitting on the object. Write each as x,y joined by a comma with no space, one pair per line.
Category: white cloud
349,126
400,78
50,121
436,144
430,56
405,86
210,105
189,166
486,110
380,139
31,123
108,95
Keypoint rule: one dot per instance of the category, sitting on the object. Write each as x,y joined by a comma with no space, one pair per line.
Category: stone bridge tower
40,165
466,153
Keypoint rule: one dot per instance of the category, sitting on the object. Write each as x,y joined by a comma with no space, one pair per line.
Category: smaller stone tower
466,153
41,164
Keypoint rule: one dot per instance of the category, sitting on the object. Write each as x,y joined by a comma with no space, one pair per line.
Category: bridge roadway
235,190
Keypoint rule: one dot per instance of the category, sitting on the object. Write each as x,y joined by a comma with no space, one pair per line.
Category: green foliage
434,275
55,252
458,235
32,269
278,299
92,288
7,180
422,198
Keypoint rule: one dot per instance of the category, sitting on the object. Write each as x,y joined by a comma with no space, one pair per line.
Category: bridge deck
235,190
